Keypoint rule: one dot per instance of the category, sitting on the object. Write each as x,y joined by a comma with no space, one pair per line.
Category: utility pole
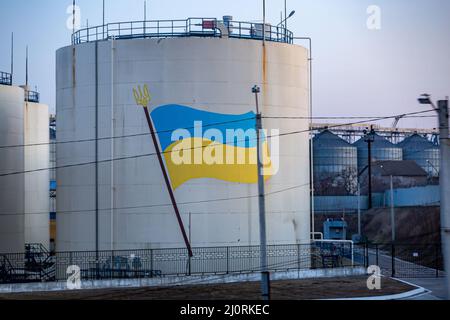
265,275
370,138
444,182
392,211
359,209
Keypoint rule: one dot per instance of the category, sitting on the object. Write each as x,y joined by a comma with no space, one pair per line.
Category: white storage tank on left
12,206
37,157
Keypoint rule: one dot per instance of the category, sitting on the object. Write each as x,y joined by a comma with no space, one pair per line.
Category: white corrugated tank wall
203,73
11,161
37,157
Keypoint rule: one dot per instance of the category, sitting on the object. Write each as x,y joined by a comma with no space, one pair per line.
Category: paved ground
281,290
436,286
413,274
403,269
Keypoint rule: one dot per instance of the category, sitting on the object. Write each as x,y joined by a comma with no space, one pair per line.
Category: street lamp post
444,179
265,276
285,20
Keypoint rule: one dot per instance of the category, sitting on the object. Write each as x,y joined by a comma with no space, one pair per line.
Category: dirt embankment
413,225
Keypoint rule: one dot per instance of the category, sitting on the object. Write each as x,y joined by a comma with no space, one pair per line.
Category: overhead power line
167,204
200,147
187,128
120,137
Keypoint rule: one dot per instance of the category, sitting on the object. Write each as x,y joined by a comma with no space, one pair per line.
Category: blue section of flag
169,118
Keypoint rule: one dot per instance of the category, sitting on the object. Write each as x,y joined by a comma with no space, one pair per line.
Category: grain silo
335,165
425,153
111,192
11,161
382,149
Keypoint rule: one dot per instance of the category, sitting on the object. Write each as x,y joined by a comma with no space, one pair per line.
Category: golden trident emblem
142,97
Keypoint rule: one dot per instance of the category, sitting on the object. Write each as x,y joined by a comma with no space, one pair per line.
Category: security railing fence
5,78
191,27
149,263
407,260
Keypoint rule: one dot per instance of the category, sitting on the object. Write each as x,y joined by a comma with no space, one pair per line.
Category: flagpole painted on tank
145,95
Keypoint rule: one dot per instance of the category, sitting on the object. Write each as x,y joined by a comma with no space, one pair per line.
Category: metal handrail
191,27
32,96
5,78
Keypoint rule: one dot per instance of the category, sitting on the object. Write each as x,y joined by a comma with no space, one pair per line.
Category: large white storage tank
124,204
11,161
37,155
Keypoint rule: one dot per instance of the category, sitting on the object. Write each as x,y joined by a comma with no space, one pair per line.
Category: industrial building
405,174
24,202
201,67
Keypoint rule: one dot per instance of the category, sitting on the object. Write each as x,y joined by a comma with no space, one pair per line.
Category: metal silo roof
379,142
417,142
327,139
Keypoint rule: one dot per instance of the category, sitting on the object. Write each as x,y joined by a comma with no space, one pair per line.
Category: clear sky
357,71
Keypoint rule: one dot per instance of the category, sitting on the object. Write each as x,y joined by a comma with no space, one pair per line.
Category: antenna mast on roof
73,17
103,23
12,56
26,70
145,16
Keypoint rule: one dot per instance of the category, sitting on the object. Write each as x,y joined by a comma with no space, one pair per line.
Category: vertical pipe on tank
311,143
311,150
96,152
112,143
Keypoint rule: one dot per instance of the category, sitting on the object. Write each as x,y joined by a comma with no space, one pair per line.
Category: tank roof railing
5,78
191,27
32,96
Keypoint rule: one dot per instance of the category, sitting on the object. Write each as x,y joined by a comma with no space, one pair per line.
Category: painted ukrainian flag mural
209,145
200,144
